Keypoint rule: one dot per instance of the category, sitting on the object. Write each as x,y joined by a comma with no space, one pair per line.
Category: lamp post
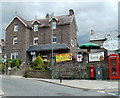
53,26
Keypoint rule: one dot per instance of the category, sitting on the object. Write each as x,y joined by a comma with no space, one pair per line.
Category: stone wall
38,74
18,71
104,65
80,70
69,68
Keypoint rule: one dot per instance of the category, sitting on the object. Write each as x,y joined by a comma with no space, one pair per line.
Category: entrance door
114,67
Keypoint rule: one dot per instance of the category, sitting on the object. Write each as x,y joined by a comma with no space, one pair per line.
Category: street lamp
53,26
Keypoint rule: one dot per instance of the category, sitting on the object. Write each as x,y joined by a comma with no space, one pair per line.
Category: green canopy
90,46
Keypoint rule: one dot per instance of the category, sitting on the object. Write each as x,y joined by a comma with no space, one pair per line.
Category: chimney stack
47,16
2,42
92,32
71,12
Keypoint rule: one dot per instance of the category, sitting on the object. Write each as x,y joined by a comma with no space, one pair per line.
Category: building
28,39
99,38
109,43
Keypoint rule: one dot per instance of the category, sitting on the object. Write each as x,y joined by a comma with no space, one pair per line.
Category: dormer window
15,28
35,28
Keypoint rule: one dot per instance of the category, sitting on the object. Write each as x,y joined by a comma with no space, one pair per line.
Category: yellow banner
64,57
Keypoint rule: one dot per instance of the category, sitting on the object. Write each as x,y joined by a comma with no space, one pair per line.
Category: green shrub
12,62
30,69
9,63
1,62
3,68
17,63
38,64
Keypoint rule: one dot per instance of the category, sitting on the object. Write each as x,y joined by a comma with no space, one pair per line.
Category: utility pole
53,26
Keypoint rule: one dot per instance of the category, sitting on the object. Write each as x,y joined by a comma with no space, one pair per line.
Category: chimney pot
47,16
92,32
71,12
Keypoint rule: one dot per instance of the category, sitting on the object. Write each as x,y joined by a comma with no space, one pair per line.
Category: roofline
97,39
52,19
12,21
35,21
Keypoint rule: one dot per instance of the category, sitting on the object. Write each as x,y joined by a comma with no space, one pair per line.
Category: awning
90,46
47,47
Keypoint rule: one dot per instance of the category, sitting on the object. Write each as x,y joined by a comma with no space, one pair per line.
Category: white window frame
15,28
35,38
15,40
36,27
14,55
53,25
54,37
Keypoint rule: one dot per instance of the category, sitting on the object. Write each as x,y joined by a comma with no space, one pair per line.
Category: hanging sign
79,58
64,57
111,44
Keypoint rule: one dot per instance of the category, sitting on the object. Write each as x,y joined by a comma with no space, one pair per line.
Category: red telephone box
92,71
114,66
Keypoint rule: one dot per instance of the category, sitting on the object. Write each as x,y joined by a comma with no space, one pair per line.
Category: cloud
100,16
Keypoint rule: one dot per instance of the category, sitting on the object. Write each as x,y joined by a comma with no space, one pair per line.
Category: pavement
99,85
85,84
1,92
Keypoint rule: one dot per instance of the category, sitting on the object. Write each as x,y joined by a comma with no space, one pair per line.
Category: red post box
92,71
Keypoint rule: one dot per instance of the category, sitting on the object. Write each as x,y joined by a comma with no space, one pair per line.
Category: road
13,86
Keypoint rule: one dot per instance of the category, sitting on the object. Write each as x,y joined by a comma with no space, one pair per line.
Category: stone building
99,38
27,39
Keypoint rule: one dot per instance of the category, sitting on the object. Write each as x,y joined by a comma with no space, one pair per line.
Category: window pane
53,25
16,28
54,38
35,41
15,40
14,55
35,27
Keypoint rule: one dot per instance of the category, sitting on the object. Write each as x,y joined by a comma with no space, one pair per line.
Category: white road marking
112,94
101,91
107,93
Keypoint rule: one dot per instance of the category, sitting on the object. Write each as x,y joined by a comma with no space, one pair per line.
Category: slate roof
47,47
103,36
62,20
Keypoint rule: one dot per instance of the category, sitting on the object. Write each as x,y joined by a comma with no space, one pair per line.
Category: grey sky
100,16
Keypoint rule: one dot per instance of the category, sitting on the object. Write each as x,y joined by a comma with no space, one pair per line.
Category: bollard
60,78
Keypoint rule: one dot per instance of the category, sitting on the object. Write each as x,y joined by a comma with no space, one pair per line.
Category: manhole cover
64,94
